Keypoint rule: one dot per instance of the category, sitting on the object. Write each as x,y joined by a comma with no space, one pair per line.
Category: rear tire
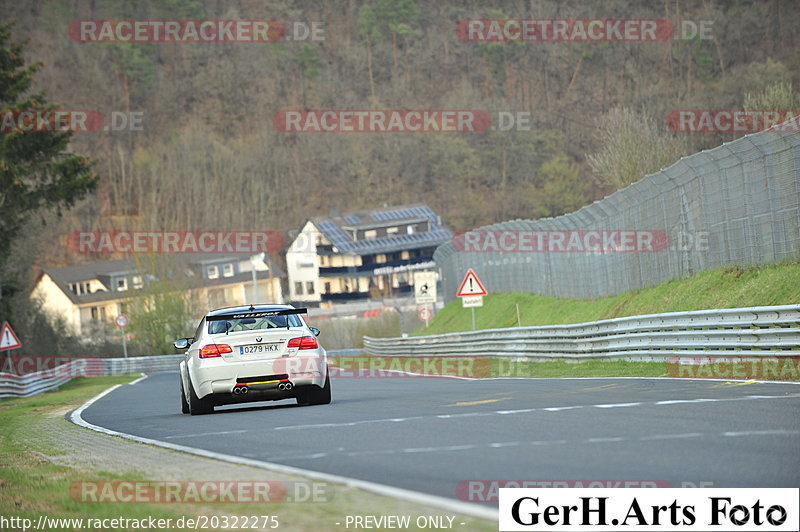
184,403
198,406
317,396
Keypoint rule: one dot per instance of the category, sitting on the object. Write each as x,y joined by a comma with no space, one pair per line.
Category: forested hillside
209,157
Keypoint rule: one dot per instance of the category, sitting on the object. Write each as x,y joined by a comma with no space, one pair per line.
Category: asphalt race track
429,434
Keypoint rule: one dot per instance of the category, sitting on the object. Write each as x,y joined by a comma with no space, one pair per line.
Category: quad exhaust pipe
242,389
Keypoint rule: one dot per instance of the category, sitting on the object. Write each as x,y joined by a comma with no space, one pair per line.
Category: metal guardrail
29,384
751,332
45,380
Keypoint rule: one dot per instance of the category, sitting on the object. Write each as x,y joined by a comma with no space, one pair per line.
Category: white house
89,296
364,254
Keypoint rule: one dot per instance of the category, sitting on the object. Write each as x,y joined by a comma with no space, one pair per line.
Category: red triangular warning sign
8,340
471,286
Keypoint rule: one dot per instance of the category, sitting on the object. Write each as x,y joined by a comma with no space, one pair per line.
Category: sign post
471,293
425,315
122,322
9,341
425,294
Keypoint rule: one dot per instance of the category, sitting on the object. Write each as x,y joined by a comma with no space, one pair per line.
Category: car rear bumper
219,377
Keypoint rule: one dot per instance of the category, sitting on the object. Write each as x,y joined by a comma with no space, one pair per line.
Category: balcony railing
356,296
353,271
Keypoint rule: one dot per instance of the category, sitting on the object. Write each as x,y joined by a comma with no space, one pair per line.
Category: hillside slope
777,284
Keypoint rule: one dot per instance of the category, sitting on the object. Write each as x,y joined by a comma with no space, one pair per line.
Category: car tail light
305,342
214,350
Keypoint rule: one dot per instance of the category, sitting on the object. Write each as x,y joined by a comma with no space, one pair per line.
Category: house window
298,288
227,270
410,229
137,281
392,230
371,234
212,272
123,308
405,255
327,288
73,287
310,287
95,313
122,284
86,288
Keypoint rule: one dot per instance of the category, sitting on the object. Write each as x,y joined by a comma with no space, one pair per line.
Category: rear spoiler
257,314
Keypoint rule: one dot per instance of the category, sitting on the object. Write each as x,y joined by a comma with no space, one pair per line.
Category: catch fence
737,204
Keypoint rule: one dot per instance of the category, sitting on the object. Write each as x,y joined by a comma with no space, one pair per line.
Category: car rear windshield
254,324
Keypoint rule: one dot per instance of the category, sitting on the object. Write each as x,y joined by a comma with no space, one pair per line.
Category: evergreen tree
37,172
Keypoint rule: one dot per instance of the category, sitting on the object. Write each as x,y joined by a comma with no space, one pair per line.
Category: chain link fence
737,204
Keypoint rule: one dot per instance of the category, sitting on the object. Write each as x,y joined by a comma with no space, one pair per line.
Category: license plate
259,348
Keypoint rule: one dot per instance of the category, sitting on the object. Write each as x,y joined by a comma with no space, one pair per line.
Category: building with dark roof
88,297
364,254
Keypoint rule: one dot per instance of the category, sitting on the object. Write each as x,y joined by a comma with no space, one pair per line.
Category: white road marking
560,408
671,436
497,445
204,434
530,410
761,433
137,381
465,414
539,443
617,405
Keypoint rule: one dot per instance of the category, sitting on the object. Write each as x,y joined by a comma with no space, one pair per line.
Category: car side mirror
314,330
181,343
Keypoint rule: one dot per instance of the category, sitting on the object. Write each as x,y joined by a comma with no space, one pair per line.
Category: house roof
338,229
76,273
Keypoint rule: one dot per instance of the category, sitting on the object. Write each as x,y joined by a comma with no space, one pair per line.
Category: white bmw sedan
252,353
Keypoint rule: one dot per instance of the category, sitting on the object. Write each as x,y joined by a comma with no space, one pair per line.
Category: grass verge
30,484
